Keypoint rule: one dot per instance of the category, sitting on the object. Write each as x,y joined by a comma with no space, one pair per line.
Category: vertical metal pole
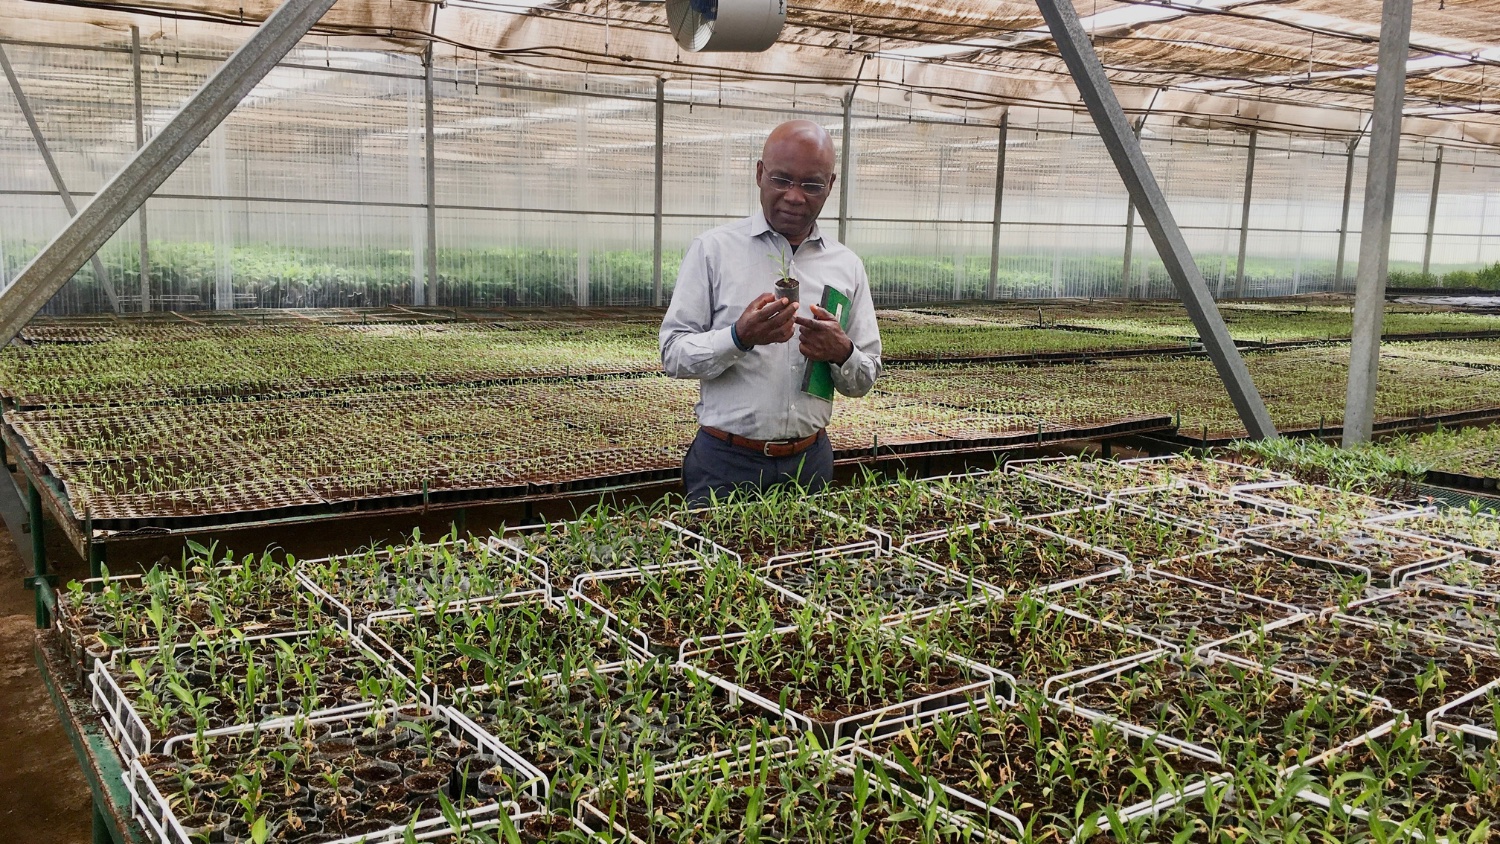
52,168
140,141
218,166
1130,227
845,166
1338,272
1432,202
420,293
993,289
1375,237
1239,265
1156,215
661,141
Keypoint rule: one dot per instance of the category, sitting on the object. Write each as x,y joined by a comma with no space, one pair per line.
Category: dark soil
869,584
758,535
1457,616
1428,776
903,510
1140,538
1381,552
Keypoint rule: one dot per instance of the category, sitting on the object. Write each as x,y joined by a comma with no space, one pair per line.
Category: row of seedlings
1359,698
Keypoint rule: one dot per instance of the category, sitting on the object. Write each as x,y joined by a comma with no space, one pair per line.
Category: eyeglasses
781,185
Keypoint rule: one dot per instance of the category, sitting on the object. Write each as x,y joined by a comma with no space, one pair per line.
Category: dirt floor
47,799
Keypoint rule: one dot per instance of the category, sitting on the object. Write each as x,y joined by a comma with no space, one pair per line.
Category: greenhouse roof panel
1305,65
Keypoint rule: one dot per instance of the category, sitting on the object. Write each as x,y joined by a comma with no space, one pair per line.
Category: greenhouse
1091,434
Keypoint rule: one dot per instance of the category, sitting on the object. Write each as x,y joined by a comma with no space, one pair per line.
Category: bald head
797,160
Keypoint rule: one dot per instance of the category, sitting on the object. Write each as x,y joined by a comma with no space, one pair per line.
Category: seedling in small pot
1430,611
786,286
1220,475
1331,502
1227,516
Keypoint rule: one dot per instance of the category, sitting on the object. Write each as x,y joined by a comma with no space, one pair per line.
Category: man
758,427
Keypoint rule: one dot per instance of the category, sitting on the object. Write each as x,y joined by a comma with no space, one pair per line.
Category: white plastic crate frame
1063,697
1156,805
1224,544
972,585
525,563
915,548
737,760
990,683
123,722
1260,539
161,824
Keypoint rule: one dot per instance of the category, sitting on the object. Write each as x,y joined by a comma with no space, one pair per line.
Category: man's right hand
767,320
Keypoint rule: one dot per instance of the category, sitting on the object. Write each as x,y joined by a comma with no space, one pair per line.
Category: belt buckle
765,448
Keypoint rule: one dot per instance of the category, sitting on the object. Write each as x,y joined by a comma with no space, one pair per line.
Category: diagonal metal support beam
1109,118
154,162
57,177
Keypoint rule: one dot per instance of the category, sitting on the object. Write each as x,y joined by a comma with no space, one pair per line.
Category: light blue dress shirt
758,394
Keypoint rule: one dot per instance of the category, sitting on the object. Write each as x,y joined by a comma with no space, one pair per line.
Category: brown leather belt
768,448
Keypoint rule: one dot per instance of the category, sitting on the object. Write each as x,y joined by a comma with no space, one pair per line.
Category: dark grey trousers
714,467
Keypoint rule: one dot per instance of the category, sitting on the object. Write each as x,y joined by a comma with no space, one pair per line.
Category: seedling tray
968,551
1384,716
874,746
1247,571
1209,473
1435,613
1472,716
586,545
1367,658
588,590
1228,516
1141,539
1303,544
376,635
159,817
934,506
599,813
837,533
973,680
1480,539
1014,494
579,730
335,596
1462,576
125,725
1197,609
1099,478
84,653
851,583
1302,499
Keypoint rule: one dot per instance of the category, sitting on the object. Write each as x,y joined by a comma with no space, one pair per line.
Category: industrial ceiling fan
726,26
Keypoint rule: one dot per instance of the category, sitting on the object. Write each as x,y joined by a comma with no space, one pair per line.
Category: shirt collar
759,226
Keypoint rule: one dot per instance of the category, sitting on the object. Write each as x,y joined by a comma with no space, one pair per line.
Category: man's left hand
822,338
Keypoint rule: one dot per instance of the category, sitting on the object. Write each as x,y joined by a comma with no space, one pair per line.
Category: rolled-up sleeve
691,347
856,376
